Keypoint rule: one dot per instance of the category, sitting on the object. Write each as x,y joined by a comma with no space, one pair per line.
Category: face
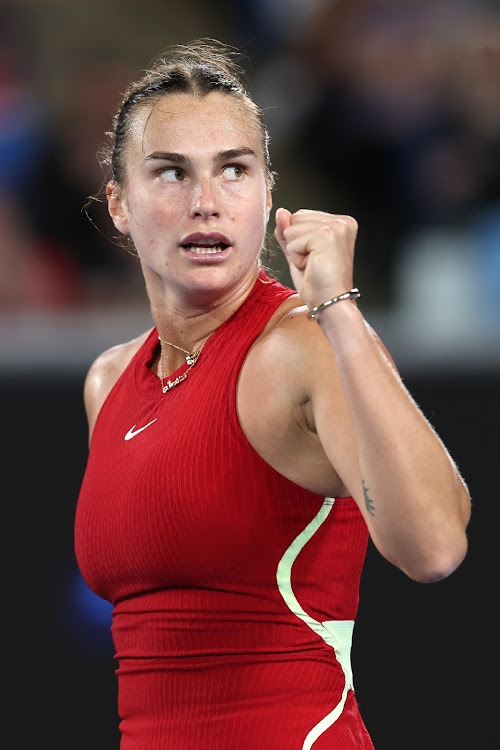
196,200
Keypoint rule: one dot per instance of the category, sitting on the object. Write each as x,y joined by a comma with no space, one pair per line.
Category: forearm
414,501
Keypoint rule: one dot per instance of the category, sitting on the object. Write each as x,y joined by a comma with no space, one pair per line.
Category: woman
241,452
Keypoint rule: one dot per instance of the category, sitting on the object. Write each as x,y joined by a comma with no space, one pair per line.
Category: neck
186,320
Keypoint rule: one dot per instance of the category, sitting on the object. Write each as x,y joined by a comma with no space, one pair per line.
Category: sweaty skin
323,391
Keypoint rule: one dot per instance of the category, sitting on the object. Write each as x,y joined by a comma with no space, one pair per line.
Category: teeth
202,250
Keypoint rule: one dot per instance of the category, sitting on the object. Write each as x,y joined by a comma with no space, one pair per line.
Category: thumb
283,217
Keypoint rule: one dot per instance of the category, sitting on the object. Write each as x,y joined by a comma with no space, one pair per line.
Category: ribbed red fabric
183,527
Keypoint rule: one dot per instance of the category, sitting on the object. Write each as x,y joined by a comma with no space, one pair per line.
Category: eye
233,172
172,174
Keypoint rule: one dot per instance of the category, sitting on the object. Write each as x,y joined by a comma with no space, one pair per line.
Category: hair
198,68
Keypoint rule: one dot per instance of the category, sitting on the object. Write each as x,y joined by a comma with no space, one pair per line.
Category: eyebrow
222,156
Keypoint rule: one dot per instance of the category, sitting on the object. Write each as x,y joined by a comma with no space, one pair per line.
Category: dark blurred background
386,110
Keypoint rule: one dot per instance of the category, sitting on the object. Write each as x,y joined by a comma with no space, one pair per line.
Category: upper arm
316,382
308,368
330,413
329,418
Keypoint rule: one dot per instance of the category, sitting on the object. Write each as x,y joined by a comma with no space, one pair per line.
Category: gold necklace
190,355
191,359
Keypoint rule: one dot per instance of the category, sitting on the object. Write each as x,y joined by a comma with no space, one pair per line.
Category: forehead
192,125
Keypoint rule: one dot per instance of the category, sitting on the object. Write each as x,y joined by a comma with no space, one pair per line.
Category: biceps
331,421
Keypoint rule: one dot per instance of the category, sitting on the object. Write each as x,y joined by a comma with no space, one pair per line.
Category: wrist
319,309
344,327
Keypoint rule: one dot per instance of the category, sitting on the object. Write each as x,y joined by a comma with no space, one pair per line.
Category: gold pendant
172,383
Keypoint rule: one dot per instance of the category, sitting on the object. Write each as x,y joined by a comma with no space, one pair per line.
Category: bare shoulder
284,362
293,322
104,372
294,351
304,339
293,343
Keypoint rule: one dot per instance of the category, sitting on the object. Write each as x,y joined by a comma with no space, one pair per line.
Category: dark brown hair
198,68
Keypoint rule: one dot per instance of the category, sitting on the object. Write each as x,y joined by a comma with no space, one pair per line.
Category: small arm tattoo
370,505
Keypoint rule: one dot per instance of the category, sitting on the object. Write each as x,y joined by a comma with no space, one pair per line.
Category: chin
217,279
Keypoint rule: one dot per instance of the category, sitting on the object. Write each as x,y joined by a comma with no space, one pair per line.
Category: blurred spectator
22,117
70,173
51,255
396,114
31,274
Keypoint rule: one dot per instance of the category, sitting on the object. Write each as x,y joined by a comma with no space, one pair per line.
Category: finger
283,216
298,259
298,250
306,214
308,227
306,242
335,234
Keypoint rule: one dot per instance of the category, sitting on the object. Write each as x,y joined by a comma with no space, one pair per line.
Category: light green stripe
338,635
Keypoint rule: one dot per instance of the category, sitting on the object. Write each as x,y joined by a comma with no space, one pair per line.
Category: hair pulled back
197,68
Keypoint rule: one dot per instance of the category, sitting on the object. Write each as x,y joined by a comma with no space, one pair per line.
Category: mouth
205,243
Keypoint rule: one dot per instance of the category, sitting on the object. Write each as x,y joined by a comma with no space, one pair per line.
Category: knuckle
351,221
328,230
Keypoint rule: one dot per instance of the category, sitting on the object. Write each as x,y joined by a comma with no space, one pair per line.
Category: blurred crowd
393,109
58,248
384,109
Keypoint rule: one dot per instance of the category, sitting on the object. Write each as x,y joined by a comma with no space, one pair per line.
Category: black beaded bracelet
353,294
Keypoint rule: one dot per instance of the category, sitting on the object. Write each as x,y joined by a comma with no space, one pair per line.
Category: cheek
246,201
147,214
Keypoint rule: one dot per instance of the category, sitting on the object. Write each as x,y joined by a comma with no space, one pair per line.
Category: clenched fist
319,248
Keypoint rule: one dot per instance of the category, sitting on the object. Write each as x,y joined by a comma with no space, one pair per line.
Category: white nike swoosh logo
133,432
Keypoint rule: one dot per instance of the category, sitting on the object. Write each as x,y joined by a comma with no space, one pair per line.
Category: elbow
438,564
431,562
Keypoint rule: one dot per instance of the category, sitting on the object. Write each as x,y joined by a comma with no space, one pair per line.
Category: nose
204,201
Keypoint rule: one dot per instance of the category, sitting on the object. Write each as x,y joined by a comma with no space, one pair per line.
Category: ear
117,207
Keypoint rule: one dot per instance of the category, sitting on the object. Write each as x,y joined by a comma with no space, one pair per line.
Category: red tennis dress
234,589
